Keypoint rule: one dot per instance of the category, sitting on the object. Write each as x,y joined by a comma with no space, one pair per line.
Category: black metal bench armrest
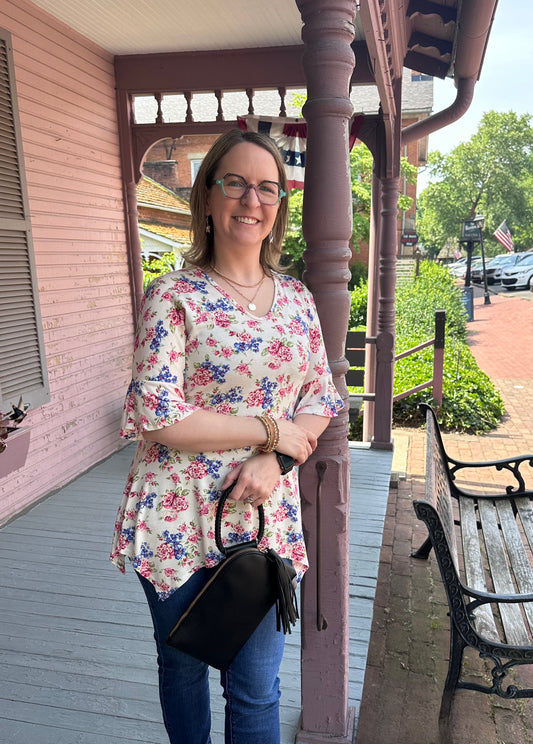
481,597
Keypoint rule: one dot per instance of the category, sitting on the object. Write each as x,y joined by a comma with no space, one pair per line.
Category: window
196,162
22,361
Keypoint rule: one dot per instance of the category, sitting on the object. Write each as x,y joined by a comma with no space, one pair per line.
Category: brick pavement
409,646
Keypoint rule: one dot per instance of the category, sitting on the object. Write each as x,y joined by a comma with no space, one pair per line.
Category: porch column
388,248
327,226
129,187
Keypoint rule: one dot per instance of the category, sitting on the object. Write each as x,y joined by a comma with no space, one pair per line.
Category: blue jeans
250,686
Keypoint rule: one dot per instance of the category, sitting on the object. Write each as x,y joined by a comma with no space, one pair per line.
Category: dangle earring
271,237
207,225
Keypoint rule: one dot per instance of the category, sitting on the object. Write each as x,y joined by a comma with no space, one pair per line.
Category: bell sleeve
155,397
318,394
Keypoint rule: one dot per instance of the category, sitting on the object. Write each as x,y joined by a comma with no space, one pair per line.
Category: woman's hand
255,479
296,441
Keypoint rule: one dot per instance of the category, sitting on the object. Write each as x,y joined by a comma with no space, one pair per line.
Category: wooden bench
484,548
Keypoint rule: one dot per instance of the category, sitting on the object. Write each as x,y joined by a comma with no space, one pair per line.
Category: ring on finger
250,500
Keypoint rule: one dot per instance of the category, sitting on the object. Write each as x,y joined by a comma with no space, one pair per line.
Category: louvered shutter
22,362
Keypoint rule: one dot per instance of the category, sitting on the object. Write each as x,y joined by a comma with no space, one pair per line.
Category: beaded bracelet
272,430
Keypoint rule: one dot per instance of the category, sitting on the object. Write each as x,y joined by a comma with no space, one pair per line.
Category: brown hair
201,251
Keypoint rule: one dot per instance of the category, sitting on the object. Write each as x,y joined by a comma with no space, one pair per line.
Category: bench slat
475,574
513,622
516,550
525,509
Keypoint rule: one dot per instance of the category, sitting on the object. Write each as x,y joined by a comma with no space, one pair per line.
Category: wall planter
14,455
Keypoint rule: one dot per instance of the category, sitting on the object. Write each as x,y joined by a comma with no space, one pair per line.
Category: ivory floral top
196,347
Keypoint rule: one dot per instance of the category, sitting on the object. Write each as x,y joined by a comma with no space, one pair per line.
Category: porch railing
356,342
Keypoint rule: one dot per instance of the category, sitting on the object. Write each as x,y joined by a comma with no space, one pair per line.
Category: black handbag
239,593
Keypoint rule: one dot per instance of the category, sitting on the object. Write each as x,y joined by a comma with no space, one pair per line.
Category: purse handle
218,525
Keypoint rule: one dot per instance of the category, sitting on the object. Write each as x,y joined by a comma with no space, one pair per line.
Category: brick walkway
409,647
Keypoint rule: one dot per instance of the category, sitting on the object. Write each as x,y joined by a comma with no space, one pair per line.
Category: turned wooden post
327,227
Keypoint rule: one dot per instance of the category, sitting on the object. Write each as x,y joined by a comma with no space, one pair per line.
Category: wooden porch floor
69,620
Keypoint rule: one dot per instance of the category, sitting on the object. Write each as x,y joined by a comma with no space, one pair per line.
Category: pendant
251,306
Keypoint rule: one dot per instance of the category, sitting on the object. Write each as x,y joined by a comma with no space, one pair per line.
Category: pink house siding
66,100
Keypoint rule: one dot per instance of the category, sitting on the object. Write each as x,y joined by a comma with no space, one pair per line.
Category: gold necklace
232,281
250,301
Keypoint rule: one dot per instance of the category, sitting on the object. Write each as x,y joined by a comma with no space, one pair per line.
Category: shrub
470,401
358,305
154,267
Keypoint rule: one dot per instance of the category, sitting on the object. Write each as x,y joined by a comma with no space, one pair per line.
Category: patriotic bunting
290,136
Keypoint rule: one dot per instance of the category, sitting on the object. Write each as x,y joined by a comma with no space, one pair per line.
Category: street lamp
479,221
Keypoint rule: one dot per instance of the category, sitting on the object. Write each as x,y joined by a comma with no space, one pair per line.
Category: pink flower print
245,338
202,377
174,355
143,422
256,398
196,469
152,359
140,367
170,572
177,317
165,552
192,345
243,369
227,352
175,502
222,319
144,569
181,286
296,328
142,525
298,552
151,401
280,350
224,408
314,339
211,341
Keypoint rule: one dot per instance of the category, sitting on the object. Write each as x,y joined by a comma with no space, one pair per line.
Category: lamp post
479,221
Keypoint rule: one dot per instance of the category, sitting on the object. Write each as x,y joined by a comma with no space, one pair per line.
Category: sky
505,83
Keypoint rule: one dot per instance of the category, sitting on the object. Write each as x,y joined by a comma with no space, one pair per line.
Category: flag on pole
503,236
290,136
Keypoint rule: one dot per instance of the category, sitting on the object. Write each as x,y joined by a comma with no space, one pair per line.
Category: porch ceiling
151,26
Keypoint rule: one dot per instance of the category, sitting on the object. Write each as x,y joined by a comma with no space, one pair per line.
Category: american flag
503,235
290,136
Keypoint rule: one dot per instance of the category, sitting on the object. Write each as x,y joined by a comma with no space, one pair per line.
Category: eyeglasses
236,187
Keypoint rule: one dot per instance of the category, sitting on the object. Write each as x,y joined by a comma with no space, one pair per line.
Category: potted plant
14,439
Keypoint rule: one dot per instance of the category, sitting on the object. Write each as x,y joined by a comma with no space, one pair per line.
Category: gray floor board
69,620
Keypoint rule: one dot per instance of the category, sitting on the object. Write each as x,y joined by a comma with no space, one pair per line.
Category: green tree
492,173
361,164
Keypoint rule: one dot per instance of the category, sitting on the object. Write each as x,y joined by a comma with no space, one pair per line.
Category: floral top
196,347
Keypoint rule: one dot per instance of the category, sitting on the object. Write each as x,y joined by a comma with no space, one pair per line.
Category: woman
229,373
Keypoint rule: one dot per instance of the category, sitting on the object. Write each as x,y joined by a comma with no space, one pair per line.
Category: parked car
458,268
495,266
520,275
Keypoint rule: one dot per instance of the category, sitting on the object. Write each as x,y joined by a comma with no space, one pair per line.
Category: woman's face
243,222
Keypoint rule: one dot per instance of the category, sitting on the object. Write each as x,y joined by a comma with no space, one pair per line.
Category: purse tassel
286,601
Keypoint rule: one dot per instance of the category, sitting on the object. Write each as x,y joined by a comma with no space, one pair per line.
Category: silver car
495,267
520,275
